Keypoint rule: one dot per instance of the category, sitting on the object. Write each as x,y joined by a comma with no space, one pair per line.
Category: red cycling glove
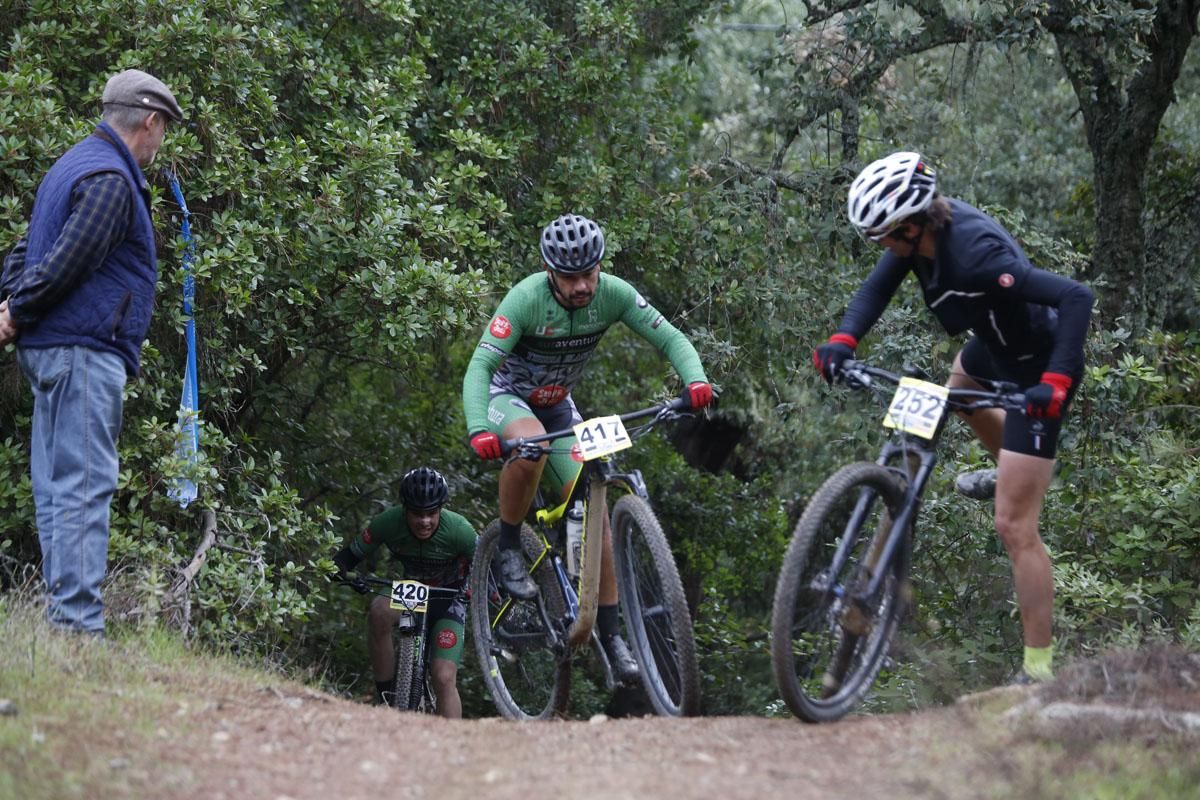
486,445
699,394
828,357
1047,399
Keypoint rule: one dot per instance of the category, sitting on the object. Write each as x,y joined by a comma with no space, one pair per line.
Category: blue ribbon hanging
187,443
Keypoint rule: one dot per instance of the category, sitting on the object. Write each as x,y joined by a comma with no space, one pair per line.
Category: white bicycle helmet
890,190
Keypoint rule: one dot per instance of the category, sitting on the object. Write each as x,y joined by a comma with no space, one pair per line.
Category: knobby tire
655,609
408,685
526,676
826,652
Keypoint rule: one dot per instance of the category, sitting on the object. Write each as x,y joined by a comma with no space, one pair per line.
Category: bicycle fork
856,615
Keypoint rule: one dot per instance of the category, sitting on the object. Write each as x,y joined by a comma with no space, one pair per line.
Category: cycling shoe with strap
513,575
977,485
624,665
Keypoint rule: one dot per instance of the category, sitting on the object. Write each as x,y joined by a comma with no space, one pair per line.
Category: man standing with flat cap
76,296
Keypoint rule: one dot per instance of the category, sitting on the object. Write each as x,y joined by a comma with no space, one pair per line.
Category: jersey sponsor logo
570,343
446,640
576,454
661,319
641,302
545,396
545,330
491,348
501,328
1006,280
495,415
367,536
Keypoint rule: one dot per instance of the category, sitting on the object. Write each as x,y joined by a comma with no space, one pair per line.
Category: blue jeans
77,403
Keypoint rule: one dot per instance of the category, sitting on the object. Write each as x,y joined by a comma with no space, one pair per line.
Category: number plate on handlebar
600,436
917,407
409,595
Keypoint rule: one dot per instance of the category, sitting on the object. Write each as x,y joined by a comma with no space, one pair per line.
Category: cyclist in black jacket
1028,327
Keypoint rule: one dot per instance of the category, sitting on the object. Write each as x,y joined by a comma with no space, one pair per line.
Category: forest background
367,178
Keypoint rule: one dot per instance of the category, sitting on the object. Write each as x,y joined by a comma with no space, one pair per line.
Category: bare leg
381,621
987,423
445,686
1021,484
519,478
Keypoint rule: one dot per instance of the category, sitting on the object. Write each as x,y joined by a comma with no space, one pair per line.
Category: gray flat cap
141,90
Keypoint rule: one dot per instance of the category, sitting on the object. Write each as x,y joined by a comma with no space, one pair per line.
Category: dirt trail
305,745
238,739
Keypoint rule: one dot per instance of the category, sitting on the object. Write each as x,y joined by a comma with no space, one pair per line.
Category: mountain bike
844,584
412,689
526,647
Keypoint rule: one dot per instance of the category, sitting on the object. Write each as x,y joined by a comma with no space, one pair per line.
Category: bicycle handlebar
859,375
386,583
527,447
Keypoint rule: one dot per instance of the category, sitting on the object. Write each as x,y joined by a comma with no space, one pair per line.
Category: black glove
828,357
1048,399
345,561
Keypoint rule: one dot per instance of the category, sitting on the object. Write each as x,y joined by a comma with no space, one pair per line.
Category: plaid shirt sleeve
14,265
98,222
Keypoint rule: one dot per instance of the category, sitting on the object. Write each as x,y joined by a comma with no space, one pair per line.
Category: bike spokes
520,642
656,612
829,635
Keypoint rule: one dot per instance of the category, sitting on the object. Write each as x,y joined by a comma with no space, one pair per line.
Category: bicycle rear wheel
826,650
520,643
655,609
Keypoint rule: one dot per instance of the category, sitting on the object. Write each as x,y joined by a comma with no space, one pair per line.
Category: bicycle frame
917,456
419,632
591,486
595,479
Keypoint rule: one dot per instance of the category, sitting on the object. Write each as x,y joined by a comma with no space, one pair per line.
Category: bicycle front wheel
407,685
826,646
655,609
520,643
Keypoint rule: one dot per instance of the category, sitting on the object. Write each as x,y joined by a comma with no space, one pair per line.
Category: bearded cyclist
519,384
435,546
1028,328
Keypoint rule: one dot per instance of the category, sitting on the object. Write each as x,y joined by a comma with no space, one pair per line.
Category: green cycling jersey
441,560
536,349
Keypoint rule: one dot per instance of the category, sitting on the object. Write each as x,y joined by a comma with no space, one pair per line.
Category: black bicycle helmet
572,244
423,488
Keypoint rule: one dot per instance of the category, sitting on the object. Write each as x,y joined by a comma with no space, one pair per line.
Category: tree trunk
1121,120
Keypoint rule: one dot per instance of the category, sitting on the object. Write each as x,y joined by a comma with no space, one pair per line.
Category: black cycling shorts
1033,437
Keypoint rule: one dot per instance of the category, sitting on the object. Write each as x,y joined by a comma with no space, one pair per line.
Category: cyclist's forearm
1074,302
685,359
872,297
475,387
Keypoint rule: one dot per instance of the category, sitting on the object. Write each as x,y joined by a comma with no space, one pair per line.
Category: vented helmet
423,488
572,244
889,191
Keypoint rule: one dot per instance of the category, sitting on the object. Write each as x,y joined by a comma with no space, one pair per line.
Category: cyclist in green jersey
435,546
519,384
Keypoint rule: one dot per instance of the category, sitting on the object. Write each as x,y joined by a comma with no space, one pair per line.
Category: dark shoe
977,485
512,574
623,664
1023,678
